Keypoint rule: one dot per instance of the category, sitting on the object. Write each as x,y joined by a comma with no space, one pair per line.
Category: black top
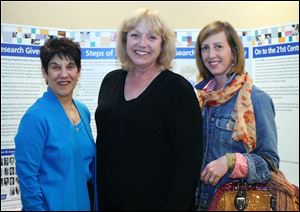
149,149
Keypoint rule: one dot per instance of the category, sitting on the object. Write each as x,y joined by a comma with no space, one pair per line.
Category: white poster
272,59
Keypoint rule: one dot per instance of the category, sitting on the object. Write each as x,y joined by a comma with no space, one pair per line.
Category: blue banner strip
276,50
20,50
189,53
90,53
7,152
98,53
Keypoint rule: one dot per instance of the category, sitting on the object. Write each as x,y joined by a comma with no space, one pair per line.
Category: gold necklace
73,115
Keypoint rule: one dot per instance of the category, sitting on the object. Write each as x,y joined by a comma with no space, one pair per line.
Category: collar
201,84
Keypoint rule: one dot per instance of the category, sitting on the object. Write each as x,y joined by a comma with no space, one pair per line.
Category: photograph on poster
12,160
11,181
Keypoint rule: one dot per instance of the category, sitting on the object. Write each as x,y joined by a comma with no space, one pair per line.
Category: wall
181,14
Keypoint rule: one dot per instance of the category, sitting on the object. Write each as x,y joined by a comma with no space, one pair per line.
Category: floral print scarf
242,117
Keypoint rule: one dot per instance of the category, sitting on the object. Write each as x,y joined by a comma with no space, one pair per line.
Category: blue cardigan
49,158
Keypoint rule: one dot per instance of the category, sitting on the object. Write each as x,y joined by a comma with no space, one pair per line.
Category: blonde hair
158,26
233,40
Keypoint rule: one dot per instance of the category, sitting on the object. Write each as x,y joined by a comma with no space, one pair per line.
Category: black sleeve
186,133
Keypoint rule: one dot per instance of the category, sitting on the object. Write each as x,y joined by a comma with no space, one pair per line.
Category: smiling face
217,55
143,46
62,76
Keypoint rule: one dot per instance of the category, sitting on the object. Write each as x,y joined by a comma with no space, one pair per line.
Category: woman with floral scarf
238,118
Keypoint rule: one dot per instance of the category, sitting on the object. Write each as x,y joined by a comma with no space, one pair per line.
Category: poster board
272,59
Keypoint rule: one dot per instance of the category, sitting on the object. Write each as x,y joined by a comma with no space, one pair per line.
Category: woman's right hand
214,171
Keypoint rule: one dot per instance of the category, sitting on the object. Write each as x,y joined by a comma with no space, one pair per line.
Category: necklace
74,118
73,115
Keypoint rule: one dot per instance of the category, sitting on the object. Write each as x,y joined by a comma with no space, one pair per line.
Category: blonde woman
149,140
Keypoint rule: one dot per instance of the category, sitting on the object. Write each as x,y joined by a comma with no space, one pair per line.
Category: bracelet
230,161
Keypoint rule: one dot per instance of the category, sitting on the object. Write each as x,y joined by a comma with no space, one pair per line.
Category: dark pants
91,193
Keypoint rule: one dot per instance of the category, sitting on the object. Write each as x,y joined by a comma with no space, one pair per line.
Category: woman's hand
214,171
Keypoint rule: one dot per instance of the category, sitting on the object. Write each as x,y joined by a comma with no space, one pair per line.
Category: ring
209,181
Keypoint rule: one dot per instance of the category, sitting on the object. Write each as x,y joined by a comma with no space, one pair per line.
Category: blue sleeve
30,143
266,139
